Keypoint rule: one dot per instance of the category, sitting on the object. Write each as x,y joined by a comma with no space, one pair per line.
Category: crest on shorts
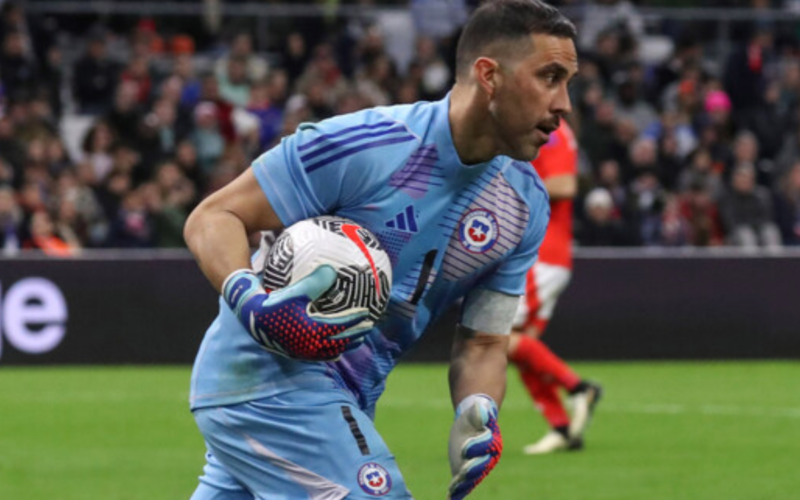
374,479
478,230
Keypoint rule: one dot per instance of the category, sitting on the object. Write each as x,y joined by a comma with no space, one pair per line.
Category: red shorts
546,282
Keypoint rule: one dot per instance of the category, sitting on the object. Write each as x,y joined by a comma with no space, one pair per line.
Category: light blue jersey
448,228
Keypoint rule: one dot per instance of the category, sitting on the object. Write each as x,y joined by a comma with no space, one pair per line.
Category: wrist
473,399
239,286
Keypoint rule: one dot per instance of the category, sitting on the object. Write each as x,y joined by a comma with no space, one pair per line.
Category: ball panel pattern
279,264
308,244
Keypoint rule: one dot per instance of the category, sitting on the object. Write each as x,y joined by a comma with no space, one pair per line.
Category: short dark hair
508,20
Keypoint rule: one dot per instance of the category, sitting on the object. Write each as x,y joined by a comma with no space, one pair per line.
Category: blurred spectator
643,157
11,149
600,229
747,70
137,74
223,109
606,54
111,192
630,104
186,159
10,222
350,103
746,153
170,93
241,48
718,110
170,198
438,19
43,237
611,16
295,55
52,80
6,174
609,178
269,114
18,73
747,211
95,78
789,152
233,83
57,158
125,115
647,199
407,92
787,205
669,160
323,68
97,146
318,99
175,120
182,45
163,121
675,229
28,126
207,138
625,134
132,227
33,196
789,86
700,173
373,82
192,88
679,70
675,133
700,211
146,39
767,122
79,211
598,132
435,75
12,18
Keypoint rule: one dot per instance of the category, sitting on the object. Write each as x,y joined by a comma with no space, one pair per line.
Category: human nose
562,105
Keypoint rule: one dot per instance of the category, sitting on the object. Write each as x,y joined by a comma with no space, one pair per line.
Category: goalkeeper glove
282,321
475,444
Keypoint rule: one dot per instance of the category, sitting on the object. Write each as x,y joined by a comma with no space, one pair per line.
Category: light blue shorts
296,446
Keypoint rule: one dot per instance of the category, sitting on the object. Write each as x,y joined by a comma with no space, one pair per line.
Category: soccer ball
364,272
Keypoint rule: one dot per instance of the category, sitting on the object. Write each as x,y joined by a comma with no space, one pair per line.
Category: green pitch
664,431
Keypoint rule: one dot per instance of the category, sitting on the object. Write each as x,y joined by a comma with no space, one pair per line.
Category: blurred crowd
114,147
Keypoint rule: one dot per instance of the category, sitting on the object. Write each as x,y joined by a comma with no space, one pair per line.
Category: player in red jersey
542,372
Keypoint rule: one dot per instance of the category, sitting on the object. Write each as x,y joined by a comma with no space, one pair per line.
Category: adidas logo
404,221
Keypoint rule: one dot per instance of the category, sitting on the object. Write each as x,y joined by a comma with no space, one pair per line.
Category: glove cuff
239,286
473,399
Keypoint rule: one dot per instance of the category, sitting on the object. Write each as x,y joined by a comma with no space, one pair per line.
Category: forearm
561,187
217,230
478,365
218,240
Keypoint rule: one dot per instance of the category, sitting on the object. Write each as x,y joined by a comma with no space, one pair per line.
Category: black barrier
634,305
154,308
148,309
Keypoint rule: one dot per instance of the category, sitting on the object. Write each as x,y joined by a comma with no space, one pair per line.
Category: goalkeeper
285,400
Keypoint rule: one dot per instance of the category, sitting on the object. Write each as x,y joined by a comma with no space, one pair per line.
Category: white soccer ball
364,271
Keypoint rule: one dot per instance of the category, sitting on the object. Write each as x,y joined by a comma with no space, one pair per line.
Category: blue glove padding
282,323
475,444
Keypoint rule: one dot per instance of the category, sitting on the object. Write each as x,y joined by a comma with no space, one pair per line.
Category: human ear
487,74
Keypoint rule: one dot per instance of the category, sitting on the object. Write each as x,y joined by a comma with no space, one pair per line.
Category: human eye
549,79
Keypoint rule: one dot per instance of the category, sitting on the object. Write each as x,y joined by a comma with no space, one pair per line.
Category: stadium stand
112,129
